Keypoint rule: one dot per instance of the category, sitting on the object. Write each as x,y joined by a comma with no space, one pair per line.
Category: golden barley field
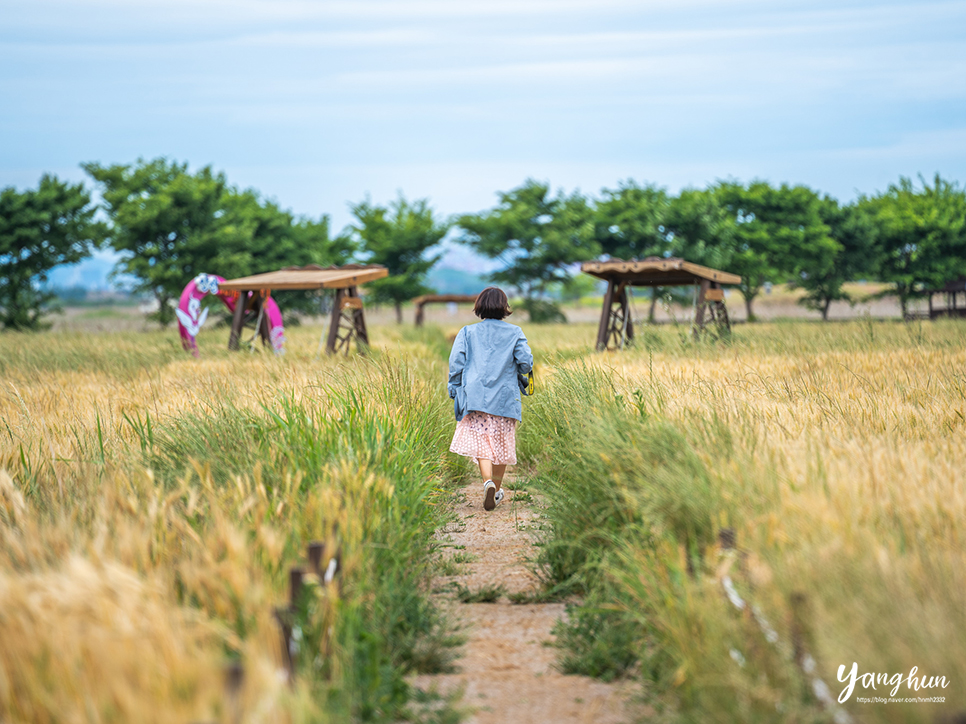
151,504
835,454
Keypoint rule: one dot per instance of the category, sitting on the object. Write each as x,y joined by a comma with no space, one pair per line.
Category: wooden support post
616,326
359,321
699,307
629,323
348,320
335,319
419,314
237,320
602,330
264,330
702,298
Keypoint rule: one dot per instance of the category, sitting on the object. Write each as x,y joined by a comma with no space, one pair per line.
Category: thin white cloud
231,12
949,142
429,21
579,91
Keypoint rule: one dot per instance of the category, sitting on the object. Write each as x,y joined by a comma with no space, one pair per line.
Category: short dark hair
492,304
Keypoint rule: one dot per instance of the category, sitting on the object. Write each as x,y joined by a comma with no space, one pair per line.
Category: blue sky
317,104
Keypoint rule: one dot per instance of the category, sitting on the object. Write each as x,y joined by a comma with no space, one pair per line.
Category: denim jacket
484,366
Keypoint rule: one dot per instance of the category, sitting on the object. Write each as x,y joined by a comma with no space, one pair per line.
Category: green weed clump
622,480
617,470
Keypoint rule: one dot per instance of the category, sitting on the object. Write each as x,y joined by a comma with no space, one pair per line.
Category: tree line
169,224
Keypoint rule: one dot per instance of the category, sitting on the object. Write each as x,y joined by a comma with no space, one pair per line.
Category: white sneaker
498,498
489,495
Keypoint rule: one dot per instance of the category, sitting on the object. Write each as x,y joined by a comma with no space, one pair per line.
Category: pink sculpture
191,317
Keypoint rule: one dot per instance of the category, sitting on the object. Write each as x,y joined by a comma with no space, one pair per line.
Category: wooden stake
316,552
295,580
800,632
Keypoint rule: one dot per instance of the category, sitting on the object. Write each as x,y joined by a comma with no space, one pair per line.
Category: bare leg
486,469
489,471
498,472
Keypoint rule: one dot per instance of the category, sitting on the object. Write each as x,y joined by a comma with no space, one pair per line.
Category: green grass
490,593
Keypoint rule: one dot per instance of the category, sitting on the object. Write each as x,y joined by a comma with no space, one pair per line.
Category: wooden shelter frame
950,291
420,302
616,326
347,319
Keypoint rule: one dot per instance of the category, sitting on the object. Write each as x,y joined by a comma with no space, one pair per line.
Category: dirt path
506,670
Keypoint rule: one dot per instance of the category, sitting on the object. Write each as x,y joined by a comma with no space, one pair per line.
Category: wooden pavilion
948,293
347,318
420,302
616,326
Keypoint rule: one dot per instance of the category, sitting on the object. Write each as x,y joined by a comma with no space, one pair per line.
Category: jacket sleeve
522,355
457,363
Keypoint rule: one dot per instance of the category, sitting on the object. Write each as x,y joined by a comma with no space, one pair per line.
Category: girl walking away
484,380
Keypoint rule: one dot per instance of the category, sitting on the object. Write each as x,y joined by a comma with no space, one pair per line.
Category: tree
921,239
171,225
270,238
398,237
779,234
40,229
700,228
537,236
853,228
629,221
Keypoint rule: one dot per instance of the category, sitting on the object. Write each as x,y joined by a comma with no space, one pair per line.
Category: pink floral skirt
483,436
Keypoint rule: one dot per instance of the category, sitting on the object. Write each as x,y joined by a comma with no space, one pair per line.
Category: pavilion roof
953,285
309,277
656,271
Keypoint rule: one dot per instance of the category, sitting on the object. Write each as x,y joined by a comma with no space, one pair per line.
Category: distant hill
90,274
455,281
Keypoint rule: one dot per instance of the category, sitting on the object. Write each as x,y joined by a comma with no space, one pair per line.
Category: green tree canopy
272,238
629,221
40,229
853,229
700,229
170,225
779,234
921,241
398,237
537,236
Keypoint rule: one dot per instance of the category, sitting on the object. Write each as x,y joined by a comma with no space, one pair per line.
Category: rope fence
799,628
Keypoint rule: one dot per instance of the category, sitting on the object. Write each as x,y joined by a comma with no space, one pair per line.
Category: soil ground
506,671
